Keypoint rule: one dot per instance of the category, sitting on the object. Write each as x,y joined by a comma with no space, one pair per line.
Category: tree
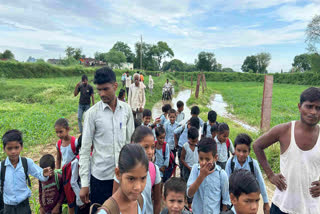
173,65
302,62
7,54
78,53
315,62
125,49
189,67
69,51
68,61
263,61
313,34
227,70
115,58
250,63
161,51
148,60
206,61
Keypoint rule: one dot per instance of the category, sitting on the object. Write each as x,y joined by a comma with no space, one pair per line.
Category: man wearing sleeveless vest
297,184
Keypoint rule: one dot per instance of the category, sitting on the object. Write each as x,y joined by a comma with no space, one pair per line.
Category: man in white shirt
137,97
108,126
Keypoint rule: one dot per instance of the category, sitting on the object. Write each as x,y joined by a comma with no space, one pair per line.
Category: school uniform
213,189
147,192
15,190
191,158
180,117
169,127
161,161
163,119
257,173
182,140
222,152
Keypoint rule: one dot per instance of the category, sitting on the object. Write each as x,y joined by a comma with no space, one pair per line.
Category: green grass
245,98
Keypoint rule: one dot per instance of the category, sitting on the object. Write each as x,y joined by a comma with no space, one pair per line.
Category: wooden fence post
198,85
266,103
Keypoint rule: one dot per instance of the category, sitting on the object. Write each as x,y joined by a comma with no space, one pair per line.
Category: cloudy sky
232,29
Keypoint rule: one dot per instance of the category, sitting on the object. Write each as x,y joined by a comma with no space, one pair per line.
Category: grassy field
33,106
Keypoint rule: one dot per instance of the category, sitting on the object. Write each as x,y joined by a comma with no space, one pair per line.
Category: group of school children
211,181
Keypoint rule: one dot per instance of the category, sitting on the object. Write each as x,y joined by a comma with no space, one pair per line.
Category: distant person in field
137,97
86,91
128,82
298,185
108,126
150,84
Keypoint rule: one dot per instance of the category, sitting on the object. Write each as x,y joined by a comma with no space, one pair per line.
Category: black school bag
3,175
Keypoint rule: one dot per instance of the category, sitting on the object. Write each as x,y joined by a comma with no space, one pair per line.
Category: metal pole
141,53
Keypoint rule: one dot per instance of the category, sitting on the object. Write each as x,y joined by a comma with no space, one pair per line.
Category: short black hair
180,104
174,184
243,138
160,130
172,111
223,127
311,94
193,133
242,181
130,156
104,75
206,145
195,122
140,133
63,122
146,113
47,161
212,116
121,93
195,110
84,77
214,127
12,135
166,108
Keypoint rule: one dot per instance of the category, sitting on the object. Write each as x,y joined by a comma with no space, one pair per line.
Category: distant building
123,66
91,62
54,61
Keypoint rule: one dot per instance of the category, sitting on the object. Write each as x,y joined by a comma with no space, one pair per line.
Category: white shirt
108,132
136,97
128,81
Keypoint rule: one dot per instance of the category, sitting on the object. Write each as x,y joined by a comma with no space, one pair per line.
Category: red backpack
169,171
66,178
72,143
228,146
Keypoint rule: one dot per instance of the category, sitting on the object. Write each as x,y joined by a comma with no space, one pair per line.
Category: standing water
219,106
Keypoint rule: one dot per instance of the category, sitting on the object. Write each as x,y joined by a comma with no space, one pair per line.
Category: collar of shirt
118,105
8,162
217,140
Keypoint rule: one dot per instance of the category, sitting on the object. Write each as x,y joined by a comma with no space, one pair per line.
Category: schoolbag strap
73,144
111,206
232,165
3,174
59,147
205,129
25,167
251,165
164,150
93,206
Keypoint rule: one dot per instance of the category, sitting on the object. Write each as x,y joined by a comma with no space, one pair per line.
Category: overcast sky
232,29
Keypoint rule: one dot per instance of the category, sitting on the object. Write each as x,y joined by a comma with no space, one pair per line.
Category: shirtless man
297,184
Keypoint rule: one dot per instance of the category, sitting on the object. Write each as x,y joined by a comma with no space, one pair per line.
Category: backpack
169,171
179,134
56,179
112,207
66,178
72,143
3,175
152,172
250,164
228,146
204,133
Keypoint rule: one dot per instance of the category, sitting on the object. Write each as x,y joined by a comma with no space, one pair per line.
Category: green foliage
69,61
250,64
263,61
75,53
115,58
173,65
7,54
160,51
302,62
125,49
315,62
206,61
148,61
227,70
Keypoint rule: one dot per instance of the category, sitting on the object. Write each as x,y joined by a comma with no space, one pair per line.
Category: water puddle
183,96
218,105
